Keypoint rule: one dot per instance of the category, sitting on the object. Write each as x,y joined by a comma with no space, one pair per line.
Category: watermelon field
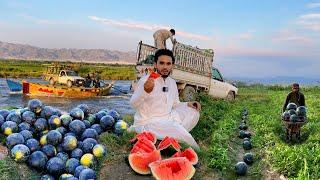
221,148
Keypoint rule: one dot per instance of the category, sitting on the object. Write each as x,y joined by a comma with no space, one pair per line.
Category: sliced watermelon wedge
154,75
139,162
172,169
145,135
167,142
189,153
143,146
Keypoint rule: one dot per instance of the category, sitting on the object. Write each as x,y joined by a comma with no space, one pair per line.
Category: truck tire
69,83
230,96
51,81
188,94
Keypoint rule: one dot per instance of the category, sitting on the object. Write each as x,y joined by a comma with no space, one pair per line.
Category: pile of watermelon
294,113
146,158
242,166
62,145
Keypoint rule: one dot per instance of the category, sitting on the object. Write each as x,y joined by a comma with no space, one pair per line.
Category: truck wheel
51,81
230,96
69,83
188,94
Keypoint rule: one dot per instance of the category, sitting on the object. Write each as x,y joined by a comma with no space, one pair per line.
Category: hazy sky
250,38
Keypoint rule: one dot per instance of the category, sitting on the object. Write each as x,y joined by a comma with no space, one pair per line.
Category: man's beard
163,75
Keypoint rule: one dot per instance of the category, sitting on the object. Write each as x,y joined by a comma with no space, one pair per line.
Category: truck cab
219,88
59,74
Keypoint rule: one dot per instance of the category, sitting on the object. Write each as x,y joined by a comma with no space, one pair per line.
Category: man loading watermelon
158,109
295,96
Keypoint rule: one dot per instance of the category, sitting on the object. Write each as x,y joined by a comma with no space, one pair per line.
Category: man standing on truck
157,104
161,36
295,96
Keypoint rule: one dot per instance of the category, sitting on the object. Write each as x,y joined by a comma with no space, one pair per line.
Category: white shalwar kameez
162,113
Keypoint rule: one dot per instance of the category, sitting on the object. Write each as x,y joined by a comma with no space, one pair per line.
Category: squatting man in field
161,36
295,96
157,104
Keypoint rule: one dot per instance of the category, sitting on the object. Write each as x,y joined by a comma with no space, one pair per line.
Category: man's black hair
295,85
173,31
161,52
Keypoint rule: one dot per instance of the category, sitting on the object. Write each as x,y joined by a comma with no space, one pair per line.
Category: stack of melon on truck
193,71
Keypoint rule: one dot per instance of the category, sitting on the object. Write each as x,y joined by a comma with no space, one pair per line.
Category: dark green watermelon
41,124
294,118
247,145
99,115
54,122
33,145
66,120
302,111
72,164
4,113
247,134
85,108
99,151
86,123
107,122
78,170
77,113
77,127
87,174
291,106
47,177
116,116
56,166
292,111
29,117
67,177
89,133
20,153
248,158
62,130
120,127
47,112
35,106
286,116
91,118
49,150
2,120
23,126
14,117
76,153
242,134
14,139
54,137
38,160
26,134
9,127
69,143
241,168
243,126
88,144
63,155
98,128
80,144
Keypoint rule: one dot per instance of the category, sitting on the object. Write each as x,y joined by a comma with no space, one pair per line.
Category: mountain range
28,52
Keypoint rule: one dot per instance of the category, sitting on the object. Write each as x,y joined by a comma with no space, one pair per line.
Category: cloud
309,21
43,21
146,26
313,5
288,36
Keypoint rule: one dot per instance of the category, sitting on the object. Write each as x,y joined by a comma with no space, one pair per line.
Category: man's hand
149,85
195,105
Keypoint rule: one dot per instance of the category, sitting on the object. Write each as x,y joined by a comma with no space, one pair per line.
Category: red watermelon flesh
169,141
143,146
139,162
145,135
154,75
190,154
172,169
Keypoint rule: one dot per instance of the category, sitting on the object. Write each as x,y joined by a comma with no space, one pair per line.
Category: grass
217,135
24,68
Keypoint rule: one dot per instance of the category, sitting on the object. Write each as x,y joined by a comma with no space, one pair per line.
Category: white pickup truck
193,71
67,77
